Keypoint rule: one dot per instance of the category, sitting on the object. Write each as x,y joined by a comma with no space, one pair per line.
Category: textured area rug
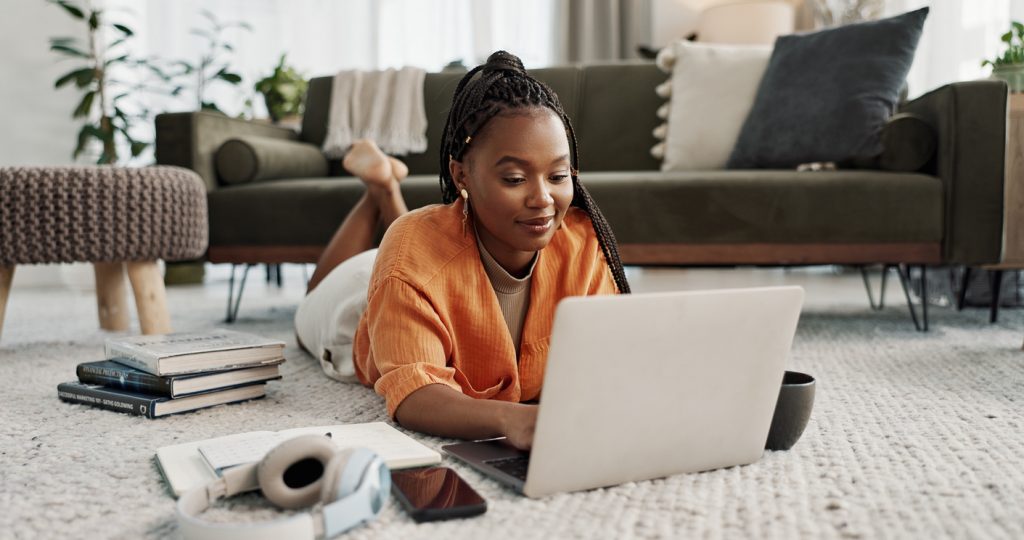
912,435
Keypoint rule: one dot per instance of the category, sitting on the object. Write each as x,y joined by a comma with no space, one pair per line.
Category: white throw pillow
712,90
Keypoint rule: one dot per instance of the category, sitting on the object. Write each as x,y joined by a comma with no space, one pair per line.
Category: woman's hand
520,422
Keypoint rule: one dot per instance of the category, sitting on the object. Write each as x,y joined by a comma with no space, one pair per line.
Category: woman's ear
457,169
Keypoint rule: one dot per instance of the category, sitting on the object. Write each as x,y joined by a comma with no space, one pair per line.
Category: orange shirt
433,317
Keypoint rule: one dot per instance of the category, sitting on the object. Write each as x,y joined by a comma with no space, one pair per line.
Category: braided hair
500,86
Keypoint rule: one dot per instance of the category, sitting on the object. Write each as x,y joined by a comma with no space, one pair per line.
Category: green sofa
948,212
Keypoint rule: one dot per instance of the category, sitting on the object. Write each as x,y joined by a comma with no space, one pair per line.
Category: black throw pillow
826,95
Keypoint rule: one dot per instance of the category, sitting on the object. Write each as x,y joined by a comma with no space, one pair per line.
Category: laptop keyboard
513,466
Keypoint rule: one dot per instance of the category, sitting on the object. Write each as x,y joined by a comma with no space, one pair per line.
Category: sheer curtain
958,35
322,37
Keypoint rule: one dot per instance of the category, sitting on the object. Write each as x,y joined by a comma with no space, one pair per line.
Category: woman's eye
559,178
514,180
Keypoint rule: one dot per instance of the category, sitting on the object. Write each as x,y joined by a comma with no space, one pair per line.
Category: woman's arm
439,410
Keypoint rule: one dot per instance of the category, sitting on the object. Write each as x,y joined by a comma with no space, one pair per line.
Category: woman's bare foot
398,169
371,165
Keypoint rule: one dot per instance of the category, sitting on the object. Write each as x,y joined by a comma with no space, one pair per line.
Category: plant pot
1013,74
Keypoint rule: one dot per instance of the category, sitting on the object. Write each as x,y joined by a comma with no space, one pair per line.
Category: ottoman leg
6,275
150,297
111,295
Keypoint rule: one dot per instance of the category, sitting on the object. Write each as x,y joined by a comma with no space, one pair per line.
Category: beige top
513,293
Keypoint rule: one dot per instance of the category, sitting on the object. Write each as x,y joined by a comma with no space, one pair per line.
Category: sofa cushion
712,89
253,158
826,95
296,212
770,206
908,145
642,207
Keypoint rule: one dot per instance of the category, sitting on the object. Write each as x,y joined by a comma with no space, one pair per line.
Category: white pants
327,318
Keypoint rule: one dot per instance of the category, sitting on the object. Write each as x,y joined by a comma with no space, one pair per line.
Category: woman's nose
540,196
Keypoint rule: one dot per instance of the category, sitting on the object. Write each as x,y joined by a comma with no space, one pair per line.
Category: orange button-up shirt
433,317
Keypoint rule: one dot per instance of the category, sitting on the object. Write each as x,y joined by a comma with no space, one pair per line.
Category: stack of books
158,375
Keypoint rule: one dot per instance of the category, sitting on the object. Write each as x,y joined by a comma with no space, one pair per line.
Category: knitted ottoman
120,219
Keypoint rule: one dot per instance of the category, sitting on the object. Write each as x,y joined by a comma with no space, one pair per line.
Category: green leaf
68,50
138,148
117,60
201,33
63,41
1005,38
72,9
232,78
83,139
94,19
84,106
82,77
124,29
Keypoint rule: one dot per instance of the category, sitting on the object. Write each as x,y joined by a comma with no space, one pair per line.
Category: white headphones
352,485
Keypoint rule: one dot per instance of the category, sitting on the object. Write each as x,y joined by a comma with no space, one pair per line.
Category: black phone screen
436,493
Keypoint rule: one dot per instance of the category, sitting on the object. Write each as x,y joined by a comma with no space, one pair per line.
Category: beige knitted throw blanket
385,106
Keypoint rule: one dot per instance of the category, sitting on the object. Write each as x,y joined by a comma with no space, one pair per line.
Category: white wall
38,126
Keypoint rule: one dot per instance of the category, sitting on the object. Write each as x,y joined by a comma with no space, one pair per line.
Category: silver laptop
644,386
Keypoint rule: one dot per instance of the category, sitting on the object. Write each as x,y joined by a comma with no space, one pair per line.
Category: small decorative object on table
1010,65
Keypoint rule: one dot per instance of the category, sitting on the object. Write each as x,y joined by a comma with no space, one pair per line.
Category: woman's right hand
519,425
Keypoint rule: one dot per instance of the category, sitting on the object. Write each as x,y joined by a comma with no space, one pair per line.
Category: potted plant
1010,65
108,107
283,91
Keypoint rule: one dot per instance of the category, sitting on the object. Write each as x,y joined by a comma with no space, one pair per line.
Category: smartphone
434,493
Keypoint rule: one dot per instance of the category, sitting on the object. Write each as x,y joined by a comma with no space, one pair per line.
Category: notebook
644,386
189,465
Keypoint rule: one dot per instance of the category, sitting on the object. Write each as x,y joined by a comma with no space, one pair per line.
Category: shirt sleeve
409,344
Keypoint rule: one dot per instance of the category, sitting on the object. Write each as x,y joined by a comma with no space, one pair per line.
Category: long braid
502,85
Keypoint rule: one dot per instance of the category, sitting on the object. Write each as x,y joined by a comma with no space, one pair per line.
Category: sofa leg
234,296
150,297
997,283
962,296
904,273
6,276
111,295
867,286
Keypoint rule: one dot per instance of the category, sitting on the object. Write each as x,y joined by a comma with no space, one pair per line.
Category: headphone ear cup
292,473
332,476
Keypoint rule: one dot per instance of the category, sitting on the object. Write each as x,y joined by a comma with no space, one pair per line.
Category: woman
452,325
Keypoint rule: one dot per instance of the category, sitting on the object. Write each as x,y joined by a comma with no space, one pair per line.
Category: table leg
111,295
150,297
6,276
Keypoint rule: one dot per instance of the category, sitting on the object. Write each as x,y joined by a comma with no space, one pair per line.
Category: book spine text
125,379
96,397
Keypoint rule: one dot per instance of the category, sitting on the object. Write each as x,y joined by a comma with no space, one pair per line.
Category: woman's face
519,177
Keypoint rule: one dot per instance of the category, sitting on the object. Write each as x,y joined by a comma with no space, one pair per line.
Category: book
148,405
118,375
193,352
189,465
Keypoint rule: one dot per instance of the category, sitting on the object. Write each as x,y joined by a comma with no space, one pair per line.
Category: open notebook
189,465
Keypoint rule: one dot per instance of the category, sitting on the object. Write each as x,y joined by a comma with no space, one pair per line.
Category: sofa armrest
191,139
970,120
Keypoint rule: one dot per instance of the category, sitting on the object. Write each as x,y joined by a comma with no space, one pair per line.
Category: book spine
125,379
131,356
106,400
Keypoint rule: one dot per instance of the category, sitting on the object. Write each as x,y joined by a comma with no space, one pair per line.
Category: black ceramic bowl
792,410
